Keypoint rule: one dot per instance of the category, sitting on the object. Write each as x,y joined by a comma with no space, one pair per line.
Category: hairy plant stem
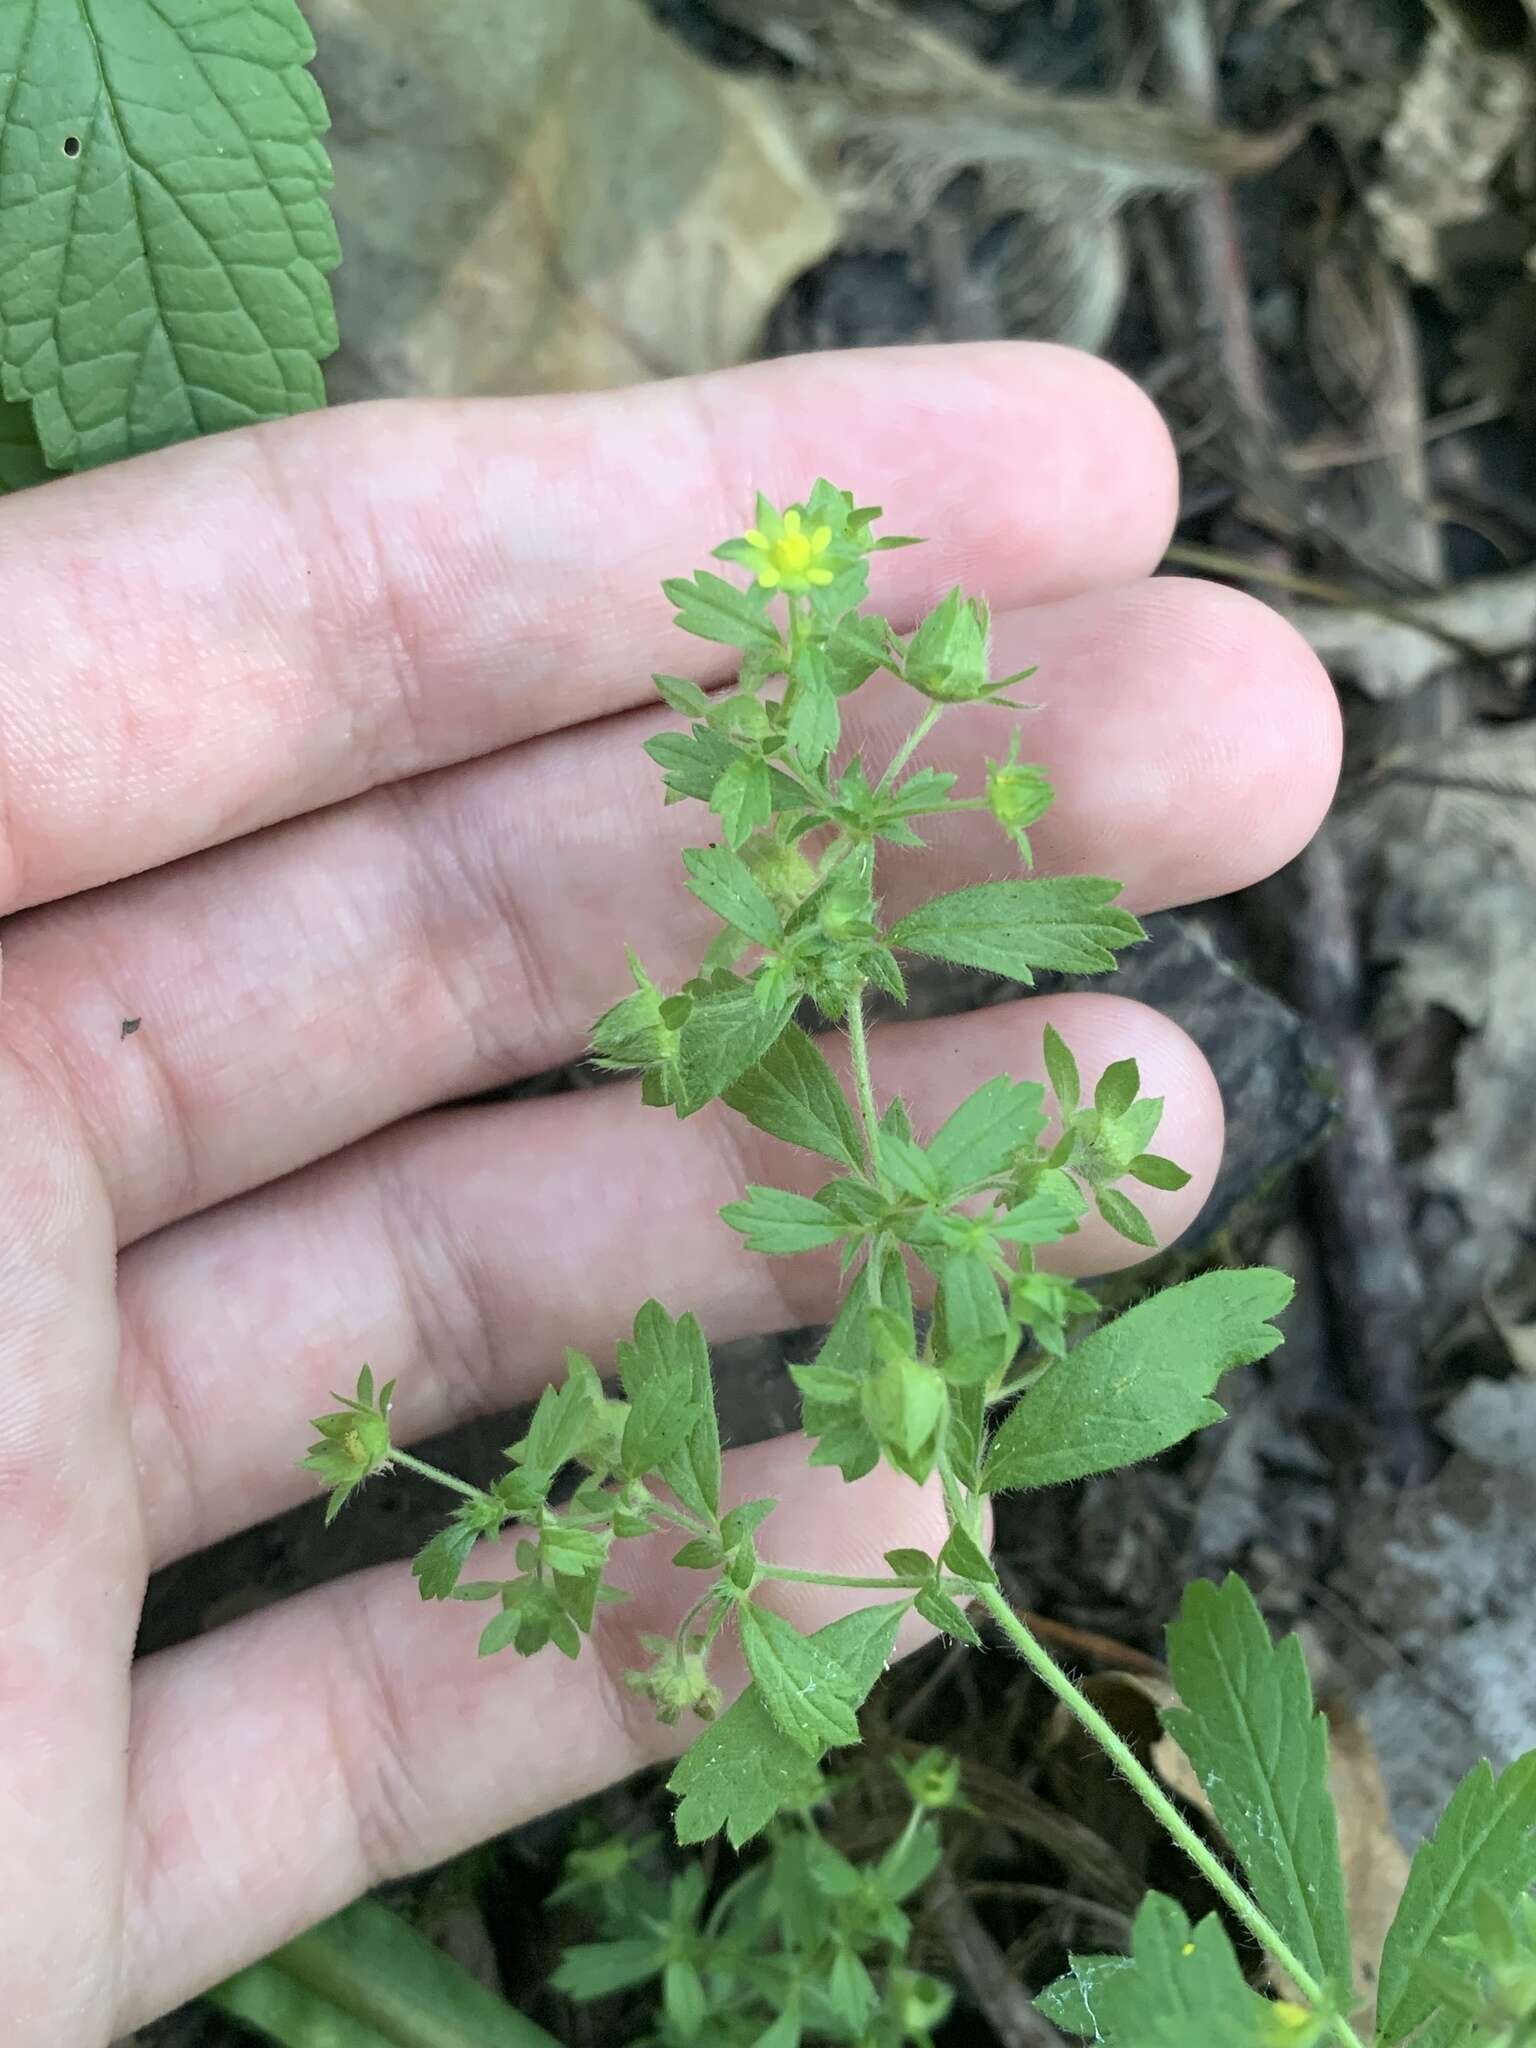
399,1457
910,745
888,1584
859,1043
1142,1782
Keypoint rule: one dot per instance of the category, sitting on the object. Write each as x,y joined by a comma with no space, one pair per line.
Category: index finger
209,640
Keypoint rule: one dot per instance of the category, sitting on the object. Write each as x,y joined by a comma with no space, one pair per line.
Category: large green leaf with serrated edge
1068,923
1140,1384
1181,1987
743,1769
1485,1841
1259,1747
164,225
21,459
804,1688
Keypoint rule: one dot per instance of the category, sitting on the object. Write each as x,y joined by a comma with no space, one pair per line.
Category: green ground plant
983,1395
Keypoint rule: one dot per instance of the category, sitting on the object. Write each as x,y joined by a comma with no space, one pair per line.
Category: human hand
320,753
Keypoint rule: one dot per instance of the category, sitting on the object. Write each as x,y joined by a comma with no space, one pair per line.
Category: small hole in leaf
71,145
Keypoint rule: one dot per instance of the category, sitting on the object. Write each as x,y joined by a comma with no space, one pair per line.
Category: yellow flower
785,555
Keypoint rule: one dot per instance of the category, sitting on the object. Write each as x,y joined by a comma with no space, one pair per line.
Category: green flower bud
1019,794
932,1780
904,1404
784,872
678,1680
919,2003
947,657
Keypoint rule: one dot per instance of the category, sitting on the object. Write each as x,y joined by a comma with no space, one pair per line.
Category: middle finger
305,987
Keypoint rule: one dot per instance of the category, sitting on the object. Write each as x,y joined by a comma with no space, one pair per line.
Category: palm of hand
357,819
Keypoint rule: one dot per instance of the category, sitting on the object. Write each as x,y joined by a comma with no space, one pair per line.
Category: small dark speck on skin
71,145
130,1025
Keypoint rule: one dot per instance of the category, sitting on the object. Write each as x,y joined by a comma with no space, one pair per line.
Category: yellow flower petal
756,538
792,520
819,576
821,540
769,577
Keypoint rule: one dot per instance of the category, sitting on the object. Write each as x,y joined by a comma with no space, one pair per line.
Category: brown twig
1213,250
990,1978
1374,1277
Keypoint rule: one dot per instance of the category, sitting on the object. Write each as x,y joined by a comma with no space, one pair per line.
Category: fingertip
1278,745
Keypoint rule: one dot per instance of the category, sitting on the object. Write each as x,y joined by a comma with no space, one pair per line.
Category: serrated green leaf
1140,1384
723,1034
909,1170
683,695
1070,2002
743,1768
980,1137
1180,1986
743,798
815,722
780,1223
793,1094
664,1349
437,1565
724,883
562,1418
1485,1841
1257,1744
166,231
806,1691
660,1419
1066,923
712,609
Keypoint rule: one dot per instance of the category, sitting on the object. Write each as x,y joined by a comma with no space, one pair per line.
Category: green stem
859,1042
398,1457
910,745
682,1519
800,1578
1162,1807
886,1585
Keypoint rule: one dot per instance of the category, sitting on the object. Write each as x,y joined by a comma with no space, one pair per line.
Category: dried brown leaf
566,201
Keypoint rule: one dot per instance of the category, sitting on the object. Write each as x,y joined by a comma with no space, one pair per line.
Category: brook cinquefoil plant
983,1395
